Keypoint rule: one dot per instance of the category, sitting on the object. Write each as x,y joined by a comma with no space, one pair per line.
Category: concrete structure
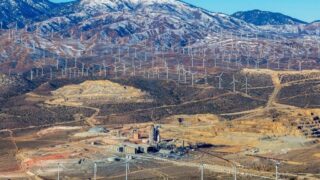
130,148
116,148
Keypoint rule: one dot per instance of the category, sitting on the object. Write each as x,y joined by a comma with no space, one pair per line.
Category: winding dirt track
277,87
91,119
272,102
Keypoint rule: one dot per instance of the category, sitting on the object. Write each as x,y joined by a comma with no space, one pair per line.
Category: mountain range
96,28
133,17
261,18
169,21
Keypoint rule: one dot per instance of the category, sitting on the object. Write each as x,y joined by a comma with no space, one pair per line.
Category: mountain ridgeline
160,21
261,18
168,21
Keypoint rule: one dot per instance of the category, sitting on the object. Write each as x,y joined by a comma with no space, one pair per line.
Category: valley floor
251,138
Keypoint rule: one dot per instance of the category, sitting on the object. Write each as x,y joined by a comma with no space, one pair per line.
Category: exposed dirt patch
97,91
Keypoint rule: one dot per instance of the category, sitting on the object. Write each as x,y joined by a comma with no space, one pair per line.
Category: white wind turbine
246,85
192,78
300,64
205,76
167,72
124,68
203,62
220,80
82,69
178,72
234,81
115,69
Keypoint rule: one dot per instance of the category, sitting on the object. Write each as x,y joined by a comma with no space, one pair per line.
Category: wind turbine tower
234,81
220,80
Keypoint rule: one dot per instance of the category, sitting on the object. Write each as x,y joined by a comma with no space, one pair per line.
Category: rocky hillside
13,85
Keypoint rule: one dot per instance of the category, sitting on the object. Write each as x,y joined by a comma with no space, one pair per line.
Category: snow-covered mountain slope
168,21
260,18
93,30
23,11
313,28
111,5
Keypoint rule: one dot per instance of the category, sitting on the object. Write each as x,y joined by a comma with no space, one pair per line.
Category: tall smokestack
152,135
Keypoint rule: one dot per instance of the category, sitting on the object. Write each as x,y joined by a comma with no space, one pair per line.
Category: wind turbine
246,85
178,72
192,78
257,63
82,70
95,171
300,65
51,75
192,61
115,70
220,80
127,167
203,62
37,72
158,74
238,62
234,81
229,62
75,62
204,52
205,76
248,58
124,69
202,171
277,164
167,71
31,75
